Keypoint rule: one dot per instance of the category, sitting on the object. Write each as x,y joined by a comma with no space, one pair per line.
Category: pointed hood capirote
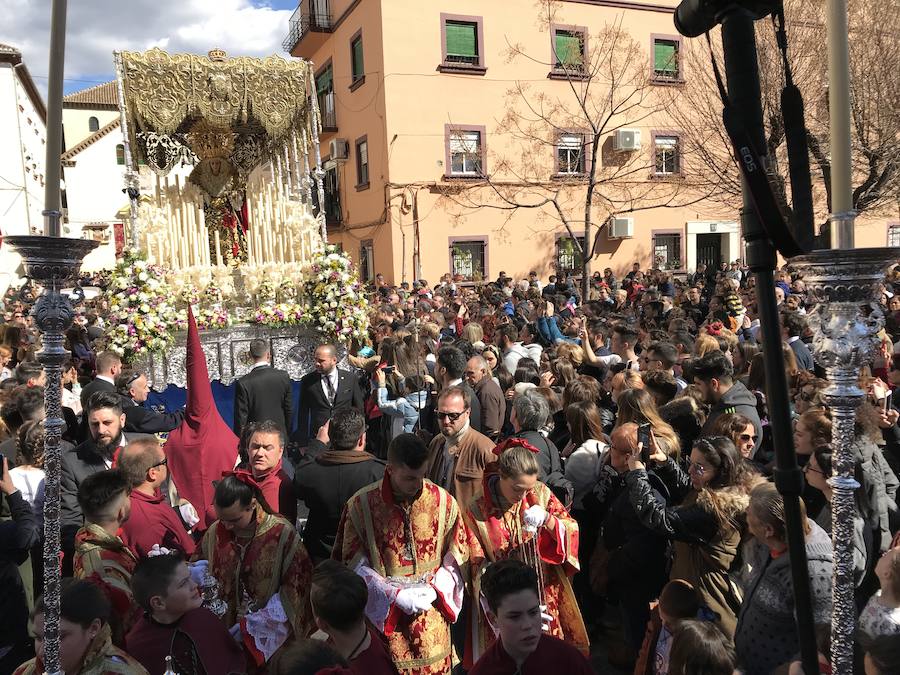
203,446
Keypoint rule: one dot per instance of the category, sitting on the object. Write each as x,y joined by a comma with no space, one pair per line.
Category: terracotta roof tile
106,94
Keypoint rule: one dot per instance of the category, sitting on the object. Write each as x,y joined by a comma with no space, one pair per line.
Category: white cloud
95,28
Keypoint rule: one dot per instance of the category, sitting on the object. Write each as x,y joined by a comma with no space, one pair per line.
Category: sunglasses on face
746,438
452,416
698,469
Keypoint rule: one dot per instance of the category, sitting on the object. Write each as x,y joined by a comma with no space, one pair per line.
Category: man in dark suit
329,475
106,422
792,327
264,393
134,389
109,365
323,392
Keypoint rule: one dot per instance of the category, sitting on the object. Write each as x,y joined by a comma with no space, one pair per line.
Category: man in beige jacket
458,455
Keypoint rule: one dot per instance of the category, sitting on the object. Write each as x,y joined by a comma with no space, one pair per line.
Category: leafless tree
875,107
606,85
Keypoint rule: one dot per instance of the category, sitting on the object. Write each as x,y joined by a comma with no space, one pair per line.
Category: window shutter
570,141
461,39
665,57
323,82
358,66
568,48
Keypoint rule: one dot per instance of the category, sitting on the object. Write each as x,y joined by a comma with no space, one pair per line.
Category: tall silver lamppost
52,262
840,283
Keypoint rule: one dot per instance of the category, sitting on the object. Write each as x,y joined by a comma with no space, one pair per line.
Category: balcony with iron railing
309,27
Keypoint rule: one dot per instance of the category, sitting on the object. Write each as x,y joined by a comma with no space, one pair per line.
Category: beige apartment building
439,117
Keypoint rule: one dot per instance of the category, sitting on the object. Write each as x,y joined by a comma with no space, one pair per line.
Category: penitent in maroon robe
551,656
203,446
153,521
198,643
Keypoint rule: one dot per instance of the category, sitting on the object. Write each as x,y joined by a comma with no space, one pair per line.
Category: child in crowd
176,624
514,611
409,402
678,601
338,598
881,615
701,647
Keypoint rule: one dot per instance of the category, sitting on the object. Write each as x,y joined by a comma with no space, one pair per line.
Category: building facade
423,108
23,139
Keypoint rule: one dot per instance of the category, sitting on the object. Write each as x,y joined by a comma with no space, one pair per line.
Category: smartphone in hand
644,442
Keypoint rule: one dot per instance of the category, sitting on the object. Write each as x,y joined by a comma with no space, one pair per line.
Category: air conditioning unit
627,140
621,228
339,148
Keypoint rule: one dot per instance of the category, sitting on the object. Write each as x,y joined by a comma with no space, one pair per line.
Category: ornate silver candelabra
839,282
53,263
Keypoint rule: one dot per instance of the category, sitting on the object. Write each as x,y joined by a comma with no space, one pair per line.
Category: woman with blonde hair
517,516
472,332
570,352
637,405
704,344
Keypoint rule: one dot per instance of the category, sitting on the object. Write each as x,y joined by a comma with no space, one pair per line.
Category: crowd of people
508,478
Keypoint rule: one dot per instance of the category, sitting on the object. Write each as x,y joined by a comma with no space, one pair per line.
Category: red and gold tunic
391,544
499,533
251,572
103,558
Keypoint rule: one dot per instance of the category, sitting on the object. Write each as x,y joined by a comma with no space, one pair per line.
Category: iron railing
305,19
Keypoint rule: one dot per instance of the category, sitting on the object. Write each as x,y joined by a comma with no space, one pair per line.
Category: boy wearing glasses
153,522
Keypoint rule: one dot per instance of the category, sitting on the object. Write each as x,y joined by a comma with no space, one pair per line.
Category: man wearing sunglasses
134,389
152,522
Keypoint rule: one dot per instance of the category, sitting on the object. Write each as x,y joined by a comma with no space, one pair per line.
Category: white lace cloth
268,627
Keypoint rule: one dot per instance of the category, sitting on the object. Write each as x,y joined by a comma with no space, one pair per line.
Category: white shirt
106,379
261,364
333,376
29,481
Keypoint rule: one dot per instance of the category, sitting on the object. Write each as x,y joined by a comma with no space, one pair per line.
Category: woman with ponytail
263,570
517,516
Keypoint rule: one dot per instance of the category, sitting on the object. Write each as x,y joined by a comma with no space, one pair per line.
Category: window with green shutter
569,49
462,42
665,59
358,69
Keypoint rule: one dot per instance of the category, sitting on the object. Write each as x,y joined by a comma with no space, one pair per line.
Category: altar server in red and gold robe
263,570
516,516
405,537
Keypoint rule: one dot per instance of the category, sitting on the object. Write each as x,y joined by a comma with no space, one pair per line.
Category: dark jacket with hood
738,399
325,479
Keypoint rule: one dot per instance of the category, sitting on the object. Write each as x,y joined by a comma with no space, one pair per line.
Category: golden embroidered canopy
190,107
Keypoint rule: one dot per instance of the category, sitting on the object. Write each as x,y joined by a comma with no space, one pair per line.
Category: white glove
535,517
198,571
158,550
546,619
415,599
189,514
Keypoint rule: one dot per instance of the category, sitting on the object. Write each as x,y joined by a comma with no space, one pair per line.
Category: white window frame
666,144
469,145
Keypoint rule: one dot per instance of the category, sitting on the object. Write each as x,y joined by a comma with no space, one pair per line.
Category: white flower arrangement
334,300
142,315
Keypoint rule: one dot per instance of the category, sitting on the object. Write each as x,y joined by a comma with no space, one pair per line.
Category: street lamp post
53,262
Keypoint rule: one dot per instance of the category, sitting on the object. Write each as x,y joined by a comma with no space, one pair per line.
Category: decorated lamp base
839,284
53,263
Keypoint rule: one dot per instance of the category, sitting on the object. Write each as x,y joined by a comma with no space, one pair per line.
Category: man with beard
100,555
105,423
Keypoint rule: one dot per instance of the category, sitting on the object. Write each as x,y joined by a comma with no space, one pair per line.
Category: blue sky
98,27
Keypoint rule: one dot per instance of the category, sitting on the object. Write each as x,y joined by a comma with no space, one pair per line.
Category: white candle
218,249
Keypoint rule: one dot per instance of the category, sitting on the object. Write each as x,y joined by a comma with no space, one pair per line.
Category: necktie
329,386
